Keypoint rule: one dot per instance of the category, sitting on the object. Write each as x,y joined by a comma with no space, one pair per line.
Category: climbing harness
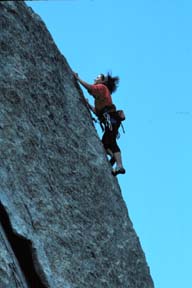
109,115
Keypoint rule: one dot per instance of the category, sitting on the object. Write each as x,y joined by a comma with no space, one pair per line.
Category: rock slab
64,223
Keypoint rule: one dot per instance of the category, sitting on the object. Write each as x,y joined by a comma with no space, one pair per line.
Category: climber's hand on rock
76,75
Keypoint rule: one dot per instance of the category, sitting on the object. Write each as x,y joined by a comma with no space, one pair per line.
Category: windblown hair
111,82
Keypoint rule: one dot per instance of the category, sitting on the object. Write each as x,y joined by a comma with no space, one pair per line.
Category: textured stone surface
10,273
55,183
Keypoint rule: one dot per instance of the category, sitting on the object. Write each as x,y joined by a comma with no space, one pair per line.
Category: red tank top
102,96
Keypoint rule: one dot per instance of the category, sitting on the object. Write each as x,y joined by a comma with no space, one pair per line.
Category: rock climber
101,90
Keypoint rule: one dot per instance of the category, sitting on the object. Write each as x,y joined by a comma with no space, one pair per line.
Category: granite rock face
64,223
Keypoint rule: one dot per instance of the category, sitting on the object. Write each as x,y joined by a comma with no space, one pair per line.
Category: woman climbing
104,108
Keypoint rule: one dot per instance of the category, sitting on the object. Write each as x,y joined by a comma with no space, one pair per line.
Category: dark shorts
109,138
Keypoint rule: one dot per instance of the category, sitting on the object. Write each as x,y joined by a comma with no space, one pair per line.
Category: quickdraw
107,120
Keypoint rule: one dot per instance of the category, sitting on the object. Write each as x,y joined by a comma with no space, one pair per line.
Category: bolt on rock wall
63,220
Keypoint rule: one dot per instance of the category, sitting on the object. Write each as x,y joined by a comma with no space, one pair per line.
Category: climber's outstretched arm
88,87
83,83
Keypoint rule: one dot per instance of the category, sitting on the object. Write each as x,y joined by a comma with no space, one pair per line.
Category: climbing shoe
118,170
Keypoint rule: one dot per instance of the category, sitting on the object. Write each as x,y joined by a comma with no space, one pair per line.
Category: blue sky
148,44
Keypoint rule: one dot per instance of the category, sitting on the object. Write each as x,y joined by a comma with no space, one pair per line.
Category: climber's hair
111,82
